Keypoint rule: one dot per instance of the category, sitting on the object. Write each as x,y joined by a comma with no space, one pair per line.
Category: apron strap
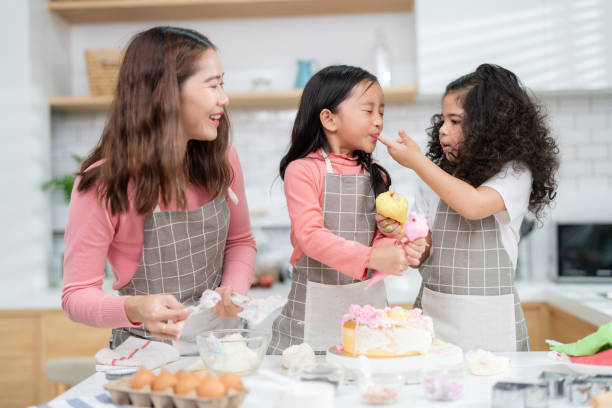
232,195
328,165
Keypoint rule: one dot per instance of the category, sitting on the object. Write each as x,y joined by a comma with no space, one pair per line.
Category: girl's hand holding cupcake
389,227
414,250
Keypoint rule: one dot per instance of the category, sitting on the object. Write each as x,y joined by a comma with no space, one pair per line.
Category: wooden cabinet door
28,338
566,327
549,322
19,354
537,319
61,337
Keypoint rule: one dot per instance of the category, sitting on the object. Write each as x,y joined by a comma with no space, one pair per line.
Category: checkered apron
320,295
468,287
182,255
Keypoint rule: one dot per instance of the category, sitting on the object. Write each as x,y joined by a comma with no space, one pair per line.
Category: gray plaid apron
320,295
182,255
468,285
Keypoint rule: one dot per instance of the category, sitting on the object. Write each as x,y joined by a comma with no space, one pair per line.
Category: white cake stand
442,354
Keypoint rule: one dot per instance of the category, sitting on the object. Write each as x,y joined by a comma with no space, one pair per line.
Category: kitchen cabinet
28,338
545,321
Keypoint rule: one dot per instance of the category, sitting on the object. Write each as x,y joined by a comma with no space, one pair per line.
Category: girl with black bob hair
330,182
490,160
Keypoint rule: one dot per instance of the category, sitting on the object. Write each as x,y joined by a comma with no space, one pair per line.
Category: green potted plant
64,183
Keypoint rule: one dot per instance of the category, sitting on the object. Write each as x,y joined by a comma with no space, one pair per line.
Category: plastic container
122,394
443,382
239,351
380,388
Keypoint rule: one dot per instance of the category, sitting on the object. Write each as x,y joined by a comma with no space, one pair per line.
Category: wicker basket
102,70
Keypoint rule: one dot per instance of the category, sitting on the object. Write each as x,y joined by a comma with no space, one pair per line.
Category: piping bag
253,310
414,228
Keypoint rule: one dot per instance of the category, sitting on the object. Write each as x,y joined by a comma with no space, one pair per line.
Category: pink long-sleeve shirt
304,183
93,235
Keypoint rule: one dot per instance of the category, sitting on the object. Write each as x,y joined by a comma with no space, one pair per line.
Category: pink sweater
304,184
93,235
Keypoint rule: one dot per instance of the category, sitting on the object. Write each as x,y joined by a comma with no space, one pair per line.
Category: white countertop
525,367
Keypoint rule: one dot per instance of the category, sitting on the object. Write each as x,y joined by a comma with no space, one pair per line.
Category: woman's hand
388,259
415,250
226,308
162,315
403,150
388,226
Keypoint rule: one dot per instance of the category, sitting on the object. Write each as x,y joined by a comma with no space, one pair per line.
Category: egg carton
121,393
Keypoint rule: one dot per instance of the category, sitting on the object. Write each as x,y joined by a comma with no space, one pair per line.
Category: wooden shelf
107,11
80,103
267,99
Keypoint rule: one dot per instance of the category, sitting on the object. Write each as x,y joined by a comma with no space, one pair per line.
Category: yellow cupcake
392,205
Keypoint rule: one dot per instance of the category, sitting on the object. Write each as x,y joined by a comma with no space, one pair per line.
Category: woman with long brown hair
161,196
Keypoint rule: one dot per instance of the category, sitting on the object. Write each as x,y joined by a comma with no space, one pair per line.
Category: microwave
584,252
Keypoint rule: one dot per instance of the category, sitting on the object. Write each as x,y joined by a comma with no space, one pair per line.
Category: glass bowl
380,388
239,351
443,382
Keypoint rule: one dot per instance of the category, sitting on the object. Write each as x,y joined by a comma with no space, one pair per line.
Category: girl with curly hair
491,159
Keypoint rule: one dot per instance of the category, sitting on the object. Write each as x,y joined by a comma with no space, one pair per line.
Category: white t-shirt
514,186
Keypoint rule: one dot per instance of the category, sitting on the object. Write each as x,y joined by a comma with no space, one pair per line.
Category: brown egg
188,382
143,377
202,374
211,387
164,381
231,381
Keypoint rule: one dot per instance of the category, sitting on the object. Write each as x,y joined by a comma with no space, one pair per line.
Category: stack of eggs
180,390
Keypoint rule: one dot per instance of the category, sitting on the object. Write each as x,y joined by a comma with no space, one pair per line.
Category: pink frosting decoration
389,316
367,315
416,227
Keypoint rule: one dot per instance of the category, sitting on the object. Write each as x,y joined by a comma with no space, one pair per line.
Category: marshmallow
295,356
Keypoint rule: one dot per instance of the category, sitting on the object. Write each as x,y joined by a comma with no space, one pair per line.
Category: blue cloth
99,401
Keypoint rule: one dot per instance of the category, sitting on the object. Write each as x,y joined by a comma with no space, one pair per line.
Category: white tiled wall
582,122
28,78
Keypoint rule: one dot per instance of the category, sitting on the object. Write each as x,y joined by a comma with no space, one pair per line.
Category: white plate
442,353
